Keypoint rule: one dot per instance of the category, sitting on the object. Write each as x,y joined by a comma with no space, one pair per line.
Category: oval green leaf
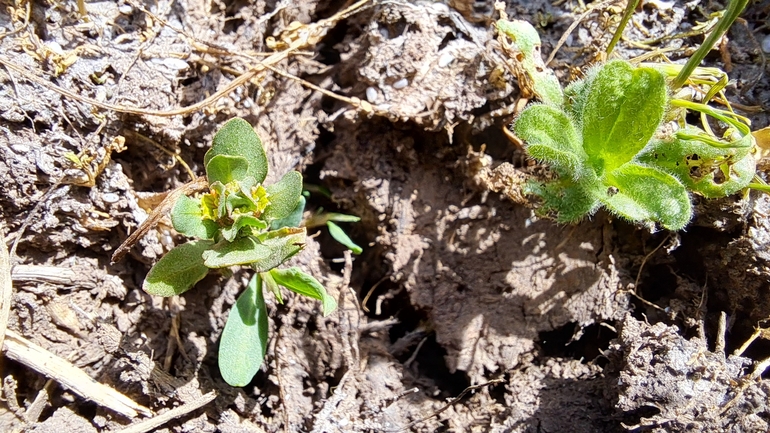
304,284
237,138
243,344
226,168
179,270
623,109
187,219
293,219
284,196
640,193
551,137
242,251
282,244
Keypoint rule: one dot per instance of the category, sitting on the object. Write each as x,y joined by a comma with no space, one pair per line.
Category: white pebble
445,59
766,44
110,197
400,84
371,94
126,9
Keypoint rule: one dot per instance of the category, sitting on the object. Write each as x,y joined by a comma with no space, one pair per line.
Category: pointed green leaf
178,271
282,244
292,220
297,281
242,251
237,138
623,109
340,236
188,220
244,340
226,168
703,169
552,138
640,193
284,196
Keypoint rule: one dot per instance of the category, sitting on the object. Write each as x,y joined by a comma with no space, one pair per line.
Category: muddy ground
597,327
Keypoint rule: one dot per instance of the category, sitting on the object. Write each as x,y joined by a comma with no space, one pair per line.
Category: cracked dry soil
458,287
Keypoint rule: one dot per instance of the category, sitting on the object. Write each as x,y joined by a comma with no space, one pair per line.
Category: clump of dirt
461,293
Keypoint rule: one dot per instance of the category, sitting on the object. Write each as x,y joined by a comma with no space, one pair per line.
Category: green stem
630,7
728,117
734,9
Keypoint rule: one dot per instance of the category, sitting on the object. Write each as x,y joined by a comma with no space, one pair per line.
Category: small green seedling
239,222
618,140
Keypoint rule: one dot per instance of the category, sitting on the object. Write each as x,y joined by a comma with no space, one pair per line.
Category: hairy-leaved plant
239,221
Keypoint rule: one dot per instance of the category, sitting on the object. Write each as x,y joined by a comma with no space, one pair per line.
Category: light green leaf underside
244,340
340,236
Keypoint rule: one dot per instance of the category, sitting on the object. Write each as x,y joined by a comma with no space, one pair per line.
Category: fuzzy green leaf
244,340
707,170
179,270
299,282
293,219
641,193
552,138
237,138
566,200
226,168
340,236
242,251
623,109
282,244
187,219
284,196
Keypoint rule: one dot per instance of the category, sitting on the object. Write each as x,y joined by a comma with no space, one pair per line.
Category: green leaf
707,170
640,193
565,199
242,251
272,286
552,138
293,220
241,221
341,217
340,236
284,196
244,340
283,244
299,282
623,109
226,168
188,220
179,270
237,138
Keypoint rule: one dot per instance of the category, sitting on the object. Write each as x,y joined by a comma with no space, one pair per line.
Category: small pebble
126,9
110,197
445,59
766,44
400,84
371,94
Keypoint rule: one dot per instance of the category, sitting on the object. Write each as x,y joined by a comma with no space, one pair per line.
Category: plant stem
734,9
630,7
